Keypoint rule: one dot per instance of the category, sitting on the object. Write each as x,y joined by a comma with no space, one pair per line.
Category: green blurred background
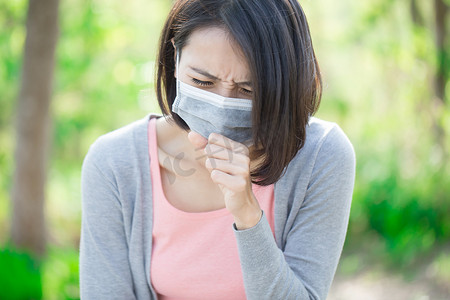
379,61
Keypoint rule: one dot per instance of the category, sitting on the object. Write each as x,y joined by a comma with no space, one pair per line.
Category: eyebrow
205,73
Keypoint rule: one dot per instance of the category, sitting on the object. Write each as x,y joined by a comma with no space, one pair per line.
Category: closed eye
201,82
246,91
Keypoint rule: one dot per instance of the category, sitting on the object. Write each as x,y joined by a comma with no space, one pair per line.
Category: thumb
197,140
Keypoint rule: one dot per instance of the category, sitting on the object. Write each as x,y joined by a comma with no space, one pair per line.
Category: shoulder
327,151
328,141
118,148
113,145
319,131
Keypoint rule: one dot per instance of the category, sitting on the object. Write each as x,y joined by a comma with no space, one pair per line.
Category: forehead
213,49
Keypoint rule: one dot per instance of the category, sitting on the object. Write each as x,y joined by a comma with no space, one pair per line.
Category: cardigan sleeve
104,265
305,268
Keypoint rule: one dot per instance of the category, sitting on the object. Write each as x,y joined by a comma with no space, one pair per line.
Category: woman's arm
104,265
306,267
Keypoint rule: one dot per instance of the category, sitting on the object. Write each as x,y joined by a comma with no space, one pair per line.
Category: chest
194,255
189,189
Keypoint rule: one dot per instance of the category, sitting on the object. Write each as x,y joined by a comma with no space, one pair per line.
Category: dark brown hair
275,39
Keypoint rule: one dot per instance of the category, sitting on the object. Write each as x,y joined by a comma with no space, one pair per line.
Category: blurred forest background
386,68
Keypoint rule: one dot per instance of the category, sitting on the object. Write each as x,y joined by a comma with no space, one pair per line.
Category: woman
236,192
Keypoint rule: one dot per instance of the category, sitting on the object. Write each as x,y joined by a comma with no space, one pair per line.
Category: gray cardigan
312,207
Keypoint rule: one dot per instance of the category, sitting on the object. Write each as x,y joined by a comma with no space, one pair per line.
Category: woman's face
210,61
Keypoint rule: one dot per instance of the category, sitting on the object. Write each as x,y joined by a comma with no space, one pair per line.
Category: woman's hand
229,165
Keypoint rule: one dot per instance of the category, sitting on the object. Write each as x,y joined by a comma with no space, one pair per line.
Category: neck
175,142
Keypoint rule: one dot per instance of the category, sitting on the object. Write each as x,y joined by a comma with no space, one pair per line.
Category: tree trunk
28,230
441,11
440,79
416,14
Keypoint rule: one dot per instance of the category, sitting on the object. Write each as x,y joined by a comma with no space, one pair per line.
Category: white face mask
205,112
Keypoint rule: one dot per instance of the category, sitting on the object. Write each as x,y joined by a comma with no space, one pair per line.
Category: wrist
249,220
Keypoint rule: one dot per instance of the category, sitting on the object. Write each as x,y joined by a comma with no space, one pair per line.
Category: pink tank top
194,255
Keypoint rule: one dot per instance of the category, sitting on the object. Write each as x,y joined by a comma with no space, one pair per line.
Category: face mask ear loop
178,73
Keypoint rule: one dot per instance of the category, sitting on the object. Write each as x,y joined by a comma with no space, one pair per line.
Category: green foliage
396,210
104,60
20,276
60,274
12,16
378,68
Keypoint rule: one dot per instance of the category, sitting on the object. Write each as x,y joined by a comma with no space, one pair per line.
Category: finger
215,151
218,139
234,183
227,167
197,140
